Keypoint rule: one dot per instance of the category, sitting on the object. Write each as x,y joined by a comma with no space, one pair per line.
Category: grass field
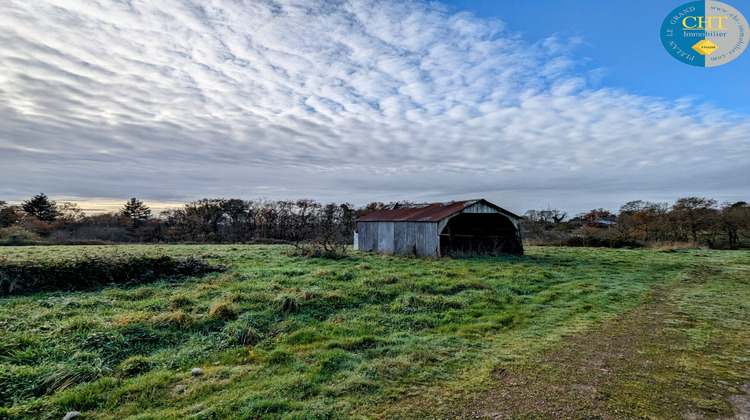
557,333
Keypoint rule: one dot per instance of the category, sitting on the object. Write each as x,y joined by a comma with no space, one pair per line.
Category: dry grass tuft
177,319
129,318
223,310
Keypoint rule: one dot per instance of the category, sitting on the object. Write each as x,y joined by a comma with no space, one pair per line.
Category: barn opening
479,233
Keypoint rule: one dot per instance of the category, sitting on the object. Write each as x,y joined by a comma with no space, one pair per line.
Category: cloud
338,100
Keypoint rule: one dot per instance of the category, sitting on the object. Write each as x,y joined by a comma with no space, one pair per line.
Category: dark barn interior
480,233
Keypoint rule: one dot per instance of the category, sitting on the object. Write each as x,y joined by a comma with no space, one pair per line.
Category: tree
642,220
598,218
41,207
543,225
693,215
371,207
8,214
546,219
324,232
136,211
70,213
734,218
197,221
239,222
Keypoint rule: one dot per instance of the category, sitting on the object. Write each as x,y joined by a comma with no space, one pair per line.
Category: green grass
373,336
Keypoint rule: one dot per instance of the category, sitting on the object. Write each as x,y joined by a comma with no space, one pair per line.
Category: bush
16,235
84,273
605,241
319,250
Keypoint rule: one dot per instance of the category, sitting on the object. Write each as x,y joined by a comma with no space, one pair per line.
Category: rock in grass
71,415
196,372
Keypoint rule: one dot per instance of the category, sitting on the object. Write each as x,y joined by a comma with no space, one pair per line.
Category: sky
569,104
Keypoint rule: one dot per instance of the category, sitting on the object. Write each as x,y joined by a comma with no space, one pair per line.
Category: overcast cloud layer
335,100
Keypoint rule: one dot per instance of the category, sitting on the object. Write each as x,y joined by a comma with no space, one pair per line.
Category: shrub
319,250
601,240
17,235
84,273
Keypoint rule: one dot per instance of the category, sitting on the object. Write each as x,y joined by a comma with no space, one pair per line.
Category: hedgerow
91,272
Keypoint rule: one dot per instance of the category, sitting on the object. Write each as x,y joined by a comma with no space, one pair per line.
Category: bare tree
691,215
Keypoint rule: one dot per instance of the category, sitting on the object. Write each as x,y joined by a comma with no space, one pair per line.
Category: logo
704,33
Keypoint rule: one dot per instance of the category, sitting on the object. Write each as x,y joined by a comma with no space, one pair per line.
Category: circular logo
704,33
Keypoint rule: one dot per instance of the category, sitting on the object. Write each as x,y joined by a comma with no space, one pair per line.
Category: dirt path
742,403
642,364
573,382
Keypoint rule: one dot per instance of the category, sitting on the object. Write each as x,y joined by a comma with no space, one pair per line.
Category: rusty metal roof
427,212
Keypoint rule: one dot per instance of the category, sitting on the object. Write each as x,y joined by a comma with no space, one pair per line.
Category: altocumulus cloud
336,100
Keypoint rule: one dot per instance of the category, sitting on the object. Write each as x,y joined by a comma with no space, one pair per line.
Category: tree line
209,220
693,221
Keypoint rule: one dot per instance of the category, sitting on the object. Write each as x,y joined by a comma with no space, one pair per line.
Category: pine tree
136,211
41,207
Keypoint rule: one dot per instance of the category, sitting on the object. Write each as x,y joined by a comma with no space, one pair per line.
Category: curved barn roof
427,212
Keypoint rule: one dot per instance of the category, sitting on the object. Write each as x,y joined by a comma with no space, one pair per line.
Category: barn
439,229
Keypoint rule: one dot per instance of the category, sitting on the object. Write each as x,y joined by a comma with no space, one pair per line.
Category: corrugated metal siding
479,208
385,237
400,238
411,237
373,242
429,241
368,236
428,212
